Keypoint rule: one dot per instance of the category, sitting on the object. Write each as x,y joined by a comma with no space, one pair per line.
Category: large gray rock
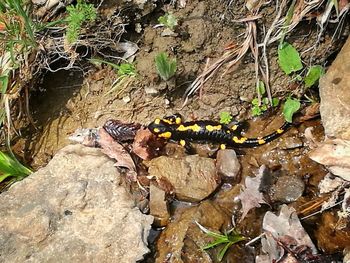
72,210
335,96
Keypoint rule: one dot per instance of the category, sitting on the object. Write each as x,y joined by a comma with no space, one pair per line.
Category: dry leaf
251,197
117,152
146,145
285,230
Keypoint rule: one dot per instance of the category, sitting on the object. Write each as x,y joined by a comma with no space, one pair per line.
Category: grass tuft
11,167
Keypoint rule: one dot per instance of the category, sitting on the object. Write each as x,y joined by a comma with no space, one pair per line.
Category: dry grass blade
231,58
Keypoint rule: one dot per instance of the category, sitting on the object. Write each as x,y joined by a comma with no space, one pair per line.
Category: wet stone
182,240
290,143
330,239
287,189
158,206
193,178
227,164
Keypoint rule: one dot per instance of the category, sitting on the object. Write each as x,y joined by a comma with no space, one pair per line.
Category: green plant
259,108
288,58
11,167
77,15
313,75
168,20
126,69
229,238
290,107
225,117
290,62
165,66
17,40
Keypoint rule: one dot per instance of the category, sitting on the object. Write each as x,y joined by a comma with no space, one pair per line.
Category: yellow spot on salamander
178,120
213,128
167,121
182,142
279,131
234,127
241,140
195,128
157,121
156,130
166,135
261,141
222,146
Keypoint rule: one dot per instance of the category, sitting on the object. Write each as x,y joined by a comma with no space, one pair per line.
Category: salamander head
160,128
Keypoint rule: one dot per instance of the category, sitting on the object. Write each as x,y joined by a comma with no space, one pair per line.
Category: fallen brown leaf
285,238
146,144
251,197
117,152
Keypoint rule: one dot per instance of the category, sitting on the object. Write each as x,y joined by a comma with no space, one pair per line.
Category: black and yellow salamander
173,128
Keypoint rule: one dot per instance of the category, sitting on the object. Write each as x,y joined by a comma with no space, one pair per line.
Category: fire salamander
173,128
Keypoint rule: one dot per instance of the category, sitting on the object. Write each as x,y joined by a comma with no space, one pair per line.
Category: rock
329,183
171,243
72,210
158,206
287,189
182,240
289,143
167,32
227,163
329,238
126,99
193,177
335,96
335,155
151,91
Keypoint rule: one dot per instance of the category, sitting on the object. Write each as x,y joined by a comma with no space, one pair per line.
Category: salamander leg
188,147
238,127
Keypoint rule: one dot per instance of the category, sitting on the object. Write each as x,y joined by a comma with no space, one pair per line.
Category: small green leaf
11,167
256,111
4,80
230,238
261,88
313,75
288,58
168,20
222,252
225,117
290,107
255,102
263,107
266,101
126,69
166,67
275,102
